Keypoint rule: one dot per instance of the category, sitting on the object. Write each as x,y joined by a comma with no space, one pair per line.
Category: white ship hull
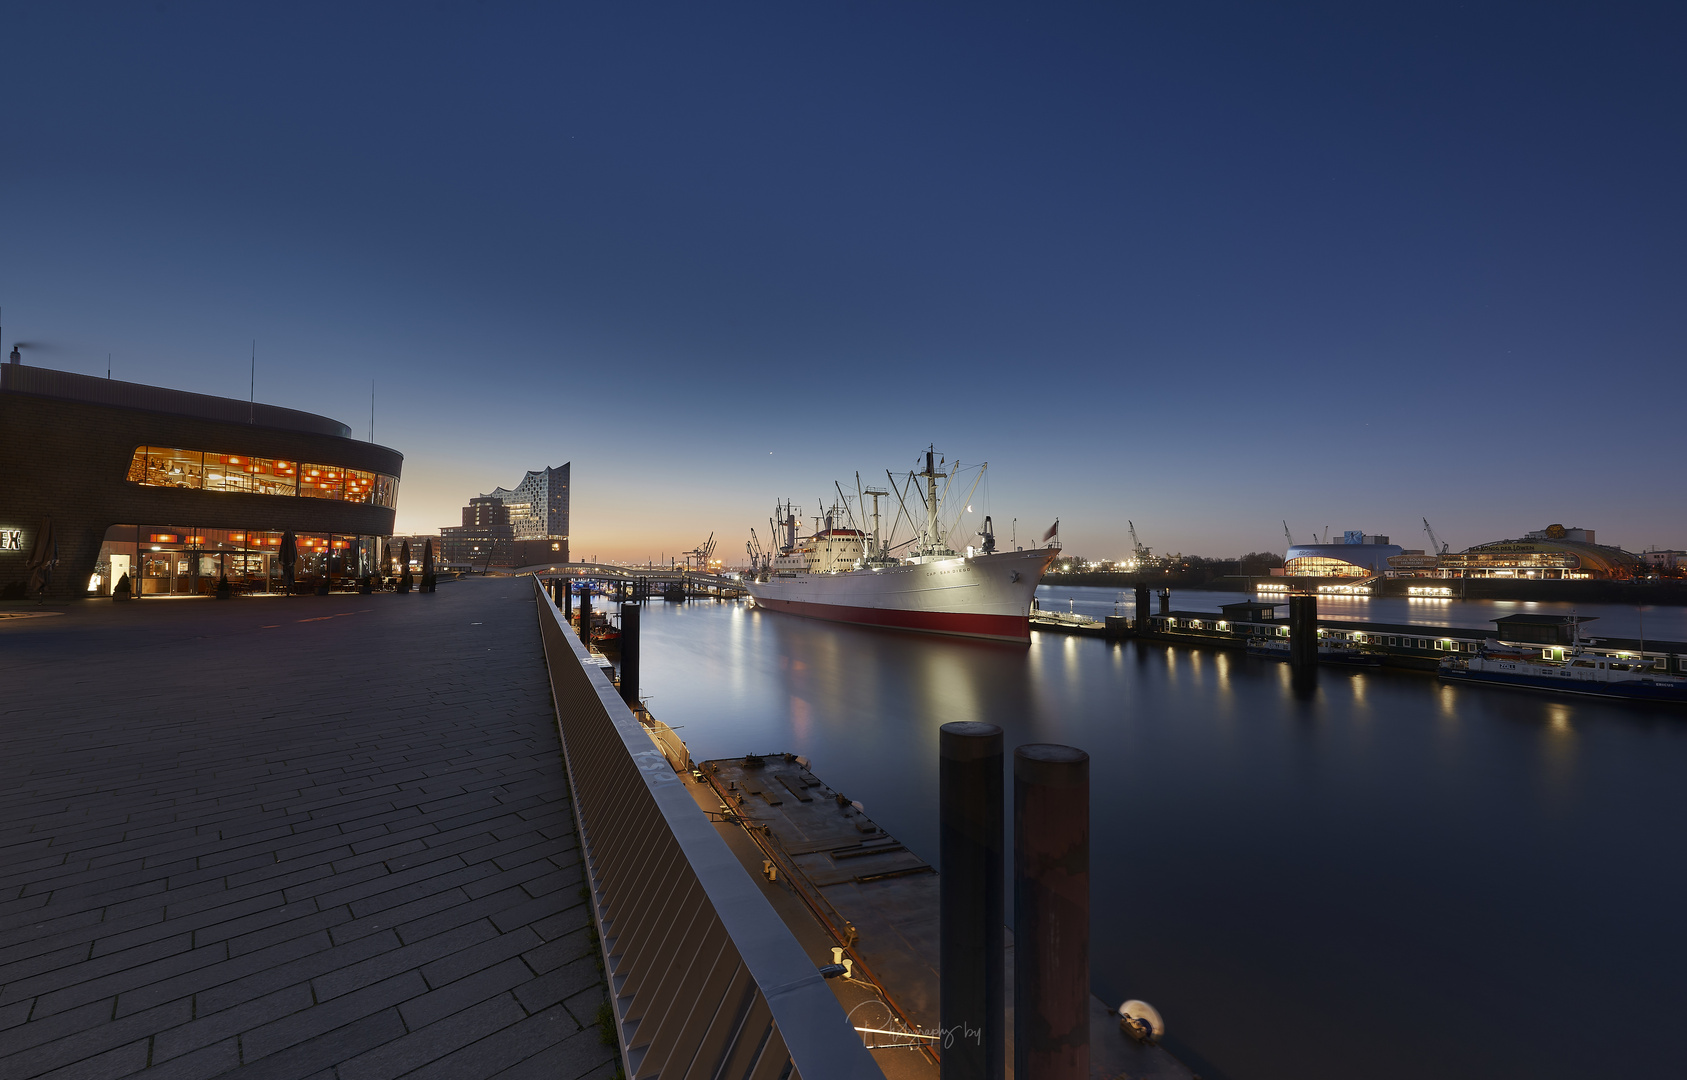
984,596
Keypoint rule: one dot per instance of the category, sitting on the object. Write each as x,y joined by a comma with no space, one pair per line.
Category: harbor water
1389,878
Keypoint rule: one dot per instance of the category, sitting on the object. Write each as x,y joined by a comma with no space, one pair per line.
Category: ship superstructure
848,574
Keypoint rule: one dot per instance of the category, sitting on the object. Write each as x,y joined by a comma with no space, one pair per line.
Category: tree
1260,563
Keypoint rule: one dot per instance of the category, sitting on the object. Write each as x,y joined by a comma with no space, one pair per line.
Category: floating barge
841,882
1413,646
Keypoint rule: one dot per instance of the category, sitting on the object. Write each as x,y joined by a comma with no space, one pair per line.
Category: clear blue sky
1204,266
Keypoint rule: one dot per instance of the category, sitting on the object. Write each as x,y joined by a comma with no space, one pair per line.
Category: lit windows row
159,466
1320,566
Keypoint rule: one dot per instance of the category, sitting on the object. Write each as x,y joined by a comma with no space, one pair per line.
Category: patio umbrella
43,556
289,559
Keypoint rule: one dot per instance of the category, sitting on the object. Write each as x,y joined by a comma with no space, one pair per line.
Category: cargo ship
849,575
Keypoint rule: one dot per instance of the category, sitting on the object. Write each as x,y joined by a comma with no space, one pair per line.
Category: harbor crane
1434,545
698,557
1142,553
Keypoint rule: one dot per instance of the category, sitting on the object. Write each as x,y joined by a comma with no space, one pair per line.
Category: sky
1205,267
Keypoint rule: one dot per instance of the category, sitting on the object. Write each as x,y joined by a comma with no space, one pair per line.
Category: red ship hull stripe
1000,627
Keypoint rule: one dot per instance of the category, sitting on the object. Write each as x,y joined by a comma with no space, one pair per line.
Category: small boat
1579,672
1332,653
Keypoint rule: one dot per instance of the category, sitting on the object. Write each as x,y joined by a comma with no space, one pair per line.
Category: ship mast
930,475
878,540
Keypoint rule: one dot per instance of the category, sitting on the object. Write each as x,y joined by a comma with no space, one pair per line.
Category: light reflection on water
1424,877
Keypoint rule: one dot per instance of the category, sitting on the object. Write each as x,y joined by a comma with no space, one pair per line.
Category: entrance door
119,567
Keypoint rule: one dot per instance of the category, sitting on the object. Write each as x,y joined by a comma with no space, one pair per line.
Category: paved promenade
308,837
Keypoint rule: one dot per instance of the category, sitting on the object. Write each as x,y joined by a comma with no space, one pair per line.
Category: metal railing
706,982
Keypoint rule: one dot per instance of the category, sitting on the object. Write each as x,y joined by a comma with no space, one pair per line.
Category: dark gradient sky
1203,266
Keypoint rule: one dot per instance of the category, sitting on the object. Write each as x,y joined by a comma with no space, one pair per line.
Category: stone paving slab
290,837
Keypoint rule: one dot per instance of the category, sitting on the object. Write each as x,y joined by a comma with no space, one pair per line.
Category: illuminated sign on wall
11,539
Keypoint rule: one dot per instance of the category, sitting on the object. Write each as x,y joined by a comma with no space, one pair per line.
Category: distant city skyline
1205,268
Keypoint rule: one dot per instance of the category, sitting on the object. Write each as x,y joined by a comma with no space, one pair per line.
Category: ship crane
1434,545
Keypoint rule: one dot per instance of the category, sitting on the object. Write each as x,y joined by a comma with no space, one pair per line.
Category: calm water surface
1393,878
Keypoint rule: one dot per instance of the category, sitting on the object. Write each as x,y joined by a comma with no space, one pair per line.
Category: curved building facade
1338,560
176,490
1551,553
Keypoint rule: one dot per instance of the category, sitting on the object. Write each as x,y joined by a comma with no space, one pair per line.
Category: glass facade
159,466
1317,566
173,560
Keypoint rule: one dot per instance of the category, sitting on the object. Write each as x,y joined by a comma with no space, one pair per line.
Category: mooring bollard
970,891
1303,644
586,616
1303,630
629,654
1051,912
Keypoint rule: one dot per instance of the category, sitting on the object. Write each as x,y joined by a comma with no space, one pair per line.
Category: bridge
695,582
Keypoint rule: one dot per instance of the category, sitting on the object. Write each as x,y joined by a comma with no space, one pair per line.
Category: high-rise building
539,504
522,526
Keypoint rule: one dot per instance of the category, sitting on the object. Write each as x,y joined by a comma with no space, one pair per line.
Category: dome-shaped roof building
1553,552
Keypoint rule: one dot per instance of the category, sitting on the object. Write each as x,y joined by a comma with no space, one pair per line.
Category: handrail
706,981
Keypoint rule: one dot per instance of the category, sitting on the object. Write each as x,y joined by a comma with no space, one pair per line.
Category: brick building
484,536
175,489
512,527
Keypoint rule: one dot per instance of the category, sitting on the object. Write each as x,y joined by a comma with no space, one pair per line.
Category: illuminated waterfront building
176,490
1553,552
1358,555
539,504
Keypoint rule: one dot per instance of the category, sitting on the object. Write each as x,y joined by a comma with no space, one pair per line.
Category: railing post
970,950
1051,908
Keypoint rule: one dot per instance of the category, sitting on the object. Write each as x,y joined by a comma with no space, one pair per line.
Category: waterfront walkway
324,837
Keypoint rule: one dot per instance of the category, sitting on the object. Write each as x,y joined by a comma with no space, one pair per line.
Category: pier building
1409,645
174,489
